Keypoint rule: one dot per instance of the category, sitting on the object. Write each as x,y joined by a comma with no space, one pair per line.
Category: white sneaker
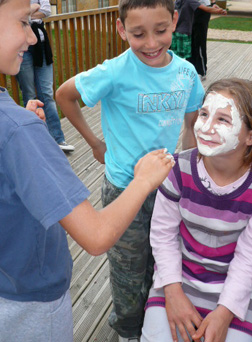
65,147
128,339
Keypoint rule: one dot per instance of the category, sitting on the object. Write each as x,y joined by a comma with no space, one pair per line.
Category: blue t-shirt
37,189
143,107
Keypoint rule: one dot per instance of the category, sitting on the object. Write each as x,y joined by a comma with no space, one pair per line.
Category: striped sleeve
236,293
164,234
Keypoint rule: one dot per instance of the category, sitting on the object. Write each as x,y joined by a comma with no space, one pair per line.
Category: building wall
90,4
65,6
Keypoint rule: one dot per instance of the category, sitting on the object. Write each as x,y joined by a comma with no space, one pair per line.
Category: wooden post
59,6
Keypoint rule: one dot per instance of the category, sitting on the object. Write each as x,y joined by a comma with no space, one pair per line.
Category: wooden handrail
80,40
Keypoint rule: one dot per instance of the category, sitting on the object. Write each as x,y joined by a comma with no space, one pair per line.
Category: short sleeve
194,4
95,84
196,96
40,174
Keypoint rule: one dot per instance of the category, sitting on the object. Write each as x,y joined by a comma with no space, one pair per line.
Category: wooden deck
90,283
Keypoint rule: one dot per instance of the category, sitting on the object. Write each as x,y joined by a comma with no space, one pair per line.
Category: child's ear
121,29
249,139
174,20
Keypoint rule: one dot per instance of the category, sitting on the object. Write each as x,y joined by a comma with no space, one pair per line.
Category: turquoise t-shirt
143,107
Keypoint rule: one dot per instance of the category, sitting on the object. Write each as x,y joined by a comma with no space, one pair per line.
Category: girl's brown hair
241,91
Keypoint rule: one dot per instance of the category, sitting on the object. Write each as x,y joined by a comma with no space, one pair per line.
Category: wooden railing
80,41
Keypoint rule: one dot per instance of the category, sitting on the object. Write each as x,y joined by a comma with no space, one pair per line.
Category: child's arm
213,10
97,231
67,97
188,137
215,326
41,11
34,8
181,313
236,293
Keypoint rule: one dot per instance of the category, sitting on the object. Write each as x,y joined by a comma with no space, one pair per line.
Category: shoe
128,339
65,147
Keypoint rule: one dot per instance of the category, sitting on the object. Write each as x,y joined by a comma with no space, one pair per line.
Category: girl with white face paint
218,125
201,232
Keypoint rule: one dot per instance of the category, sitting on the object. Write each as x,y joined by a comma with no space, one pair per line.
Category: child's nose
208,126
151,42
31,38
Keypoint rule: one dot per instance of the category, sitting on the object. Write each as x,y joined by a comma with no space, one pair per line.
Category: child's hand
34,106
219,10
153,168
215,326
99,151
181,312
34,8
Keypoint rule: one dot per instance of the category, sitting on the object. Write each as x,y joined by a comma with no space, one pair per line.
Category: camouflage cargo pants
131,267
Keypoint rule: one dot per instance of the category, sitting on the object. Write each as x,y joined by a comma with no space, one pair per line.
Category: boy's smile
149,34
14,21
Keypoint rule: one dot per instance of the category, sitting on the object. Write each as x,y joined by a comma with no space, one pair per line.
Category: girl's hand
181,312
215,326
34,106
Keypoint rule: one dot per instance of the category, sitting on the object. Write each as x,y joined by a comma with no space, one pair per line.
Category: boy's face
16,34
149,34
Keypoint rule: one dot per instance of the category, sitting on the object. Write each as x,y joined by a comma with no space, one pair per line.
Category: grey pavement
239,8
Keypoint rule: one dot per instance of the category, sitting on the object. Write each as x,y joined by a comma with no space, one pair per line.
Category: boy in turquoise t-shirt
146,94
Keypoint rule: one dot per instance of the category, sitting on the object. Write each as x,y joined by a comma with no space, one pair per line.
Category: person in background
201,230
199,39
36,73
42,199
146,94
182,37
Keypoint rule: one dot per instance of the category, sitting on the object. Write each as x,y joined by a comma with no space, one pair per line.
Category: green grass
231,23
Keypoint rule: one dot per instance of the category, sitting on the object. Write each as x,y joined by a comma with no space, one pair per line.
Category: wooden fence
80,41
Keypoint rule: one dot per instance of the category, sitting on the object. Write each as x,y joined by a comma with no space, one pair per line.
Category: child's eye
225,121
161,31
139,35
25,23
203,114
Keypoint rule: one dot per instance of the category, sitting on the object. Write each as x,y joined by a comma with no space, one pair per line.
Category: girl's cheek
198,125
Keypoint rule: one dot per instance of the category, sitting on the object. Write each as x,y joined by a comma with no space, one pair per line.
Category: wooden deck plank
228,60
90,281
92,305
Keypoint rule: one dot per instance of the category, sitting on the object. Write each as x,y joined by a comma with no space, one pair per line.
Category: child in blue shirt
146,94
39,196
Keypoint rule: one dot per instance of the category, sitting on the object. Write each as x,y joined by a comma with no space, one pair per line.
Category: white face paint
217,128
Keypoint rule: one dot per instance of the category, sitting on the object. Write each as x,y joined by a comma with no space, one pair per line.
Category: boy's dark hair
241,92
126,5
